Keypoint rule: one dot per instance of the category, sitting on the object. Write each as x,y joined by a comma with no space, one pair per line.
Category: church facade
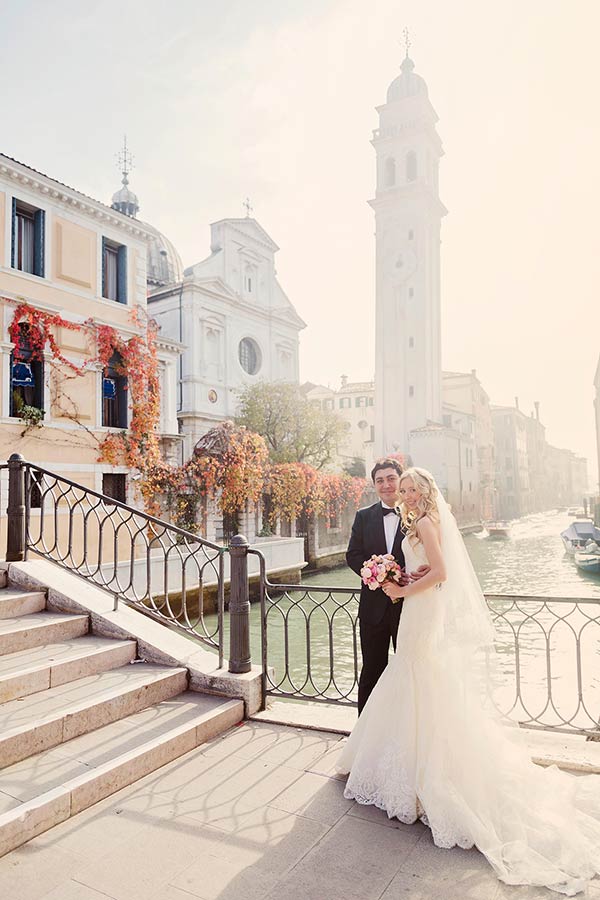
235,322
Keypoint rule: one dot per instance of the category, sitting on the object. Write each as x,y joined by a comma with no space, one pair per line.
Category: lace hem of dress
408,811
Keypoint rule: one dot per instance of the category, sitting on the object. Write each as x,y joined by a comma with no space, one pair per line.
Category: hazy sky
275,99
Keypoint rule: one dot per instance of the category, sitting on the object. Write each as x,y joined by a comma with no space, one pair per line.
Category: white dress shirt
390,526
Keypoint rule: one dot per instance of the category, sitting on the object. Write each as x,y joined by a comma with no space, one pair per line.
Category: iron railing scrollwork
547,651
165,571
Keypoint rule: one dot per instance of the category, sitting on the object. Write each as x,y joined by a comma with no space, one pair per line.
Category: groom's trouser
375,646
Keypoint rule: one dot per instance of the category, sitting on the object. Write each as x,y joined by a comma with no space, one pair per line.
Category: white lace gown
427,747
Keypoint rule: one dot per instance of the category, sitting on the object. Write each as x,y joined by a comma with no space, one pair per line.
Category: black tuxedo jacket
367,538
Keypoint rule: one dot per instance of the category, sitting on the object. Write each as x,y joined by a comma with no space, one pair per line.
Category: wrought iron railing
548,650
161,569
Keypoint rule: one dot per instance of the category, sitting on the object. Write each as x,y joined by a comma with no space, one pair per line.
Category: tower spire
124,200
407,42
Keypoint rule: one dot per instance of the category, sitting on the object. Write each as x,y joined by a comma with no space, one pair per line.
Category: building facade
408,214
236,323
513,496
354,402
65,254
463,391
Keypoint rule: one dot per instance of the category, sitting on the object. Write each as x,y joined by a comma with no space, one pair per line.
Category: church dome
407,84
164,264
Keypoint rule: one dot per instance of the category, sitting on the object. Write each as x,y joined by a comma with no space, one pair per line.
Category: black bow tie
387,512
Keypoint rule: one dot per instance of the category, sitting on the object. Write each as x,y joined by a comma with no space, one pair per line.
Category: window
411,292
390,172
411,342
327,404
27,376
115,487
411,391
359,401
28,228
345,403
249,356
411,235
411,166
114,271
114,394
370,401
447,421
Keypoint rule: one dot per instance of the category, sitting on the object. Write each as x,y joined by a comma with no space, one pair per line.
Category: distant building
235,321
354,402
463,391
513,490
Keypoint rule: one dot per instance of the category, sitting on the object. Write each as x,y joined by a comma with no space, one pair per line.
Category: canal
532,561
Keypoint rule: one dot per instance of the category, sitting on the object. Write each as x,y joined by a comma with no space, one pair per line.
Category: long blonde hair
427,503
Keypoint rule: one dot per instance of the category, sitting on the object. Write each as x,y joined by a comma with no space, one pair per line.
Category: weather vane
125,160
406,40
247,207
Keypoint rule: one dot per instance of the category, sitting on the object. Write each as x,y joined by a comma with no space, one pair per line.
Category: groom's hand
414,576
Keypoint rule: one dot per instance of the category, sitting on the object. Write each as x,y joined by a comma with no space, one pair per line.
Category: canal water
530,562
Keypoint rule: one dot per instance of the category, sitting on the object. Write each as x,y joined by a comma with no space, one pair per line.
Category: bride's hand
393,591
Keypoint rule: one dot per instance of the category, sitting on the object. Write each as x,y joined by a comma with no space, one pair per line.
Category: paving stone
316,797
356,860
29,872
149,860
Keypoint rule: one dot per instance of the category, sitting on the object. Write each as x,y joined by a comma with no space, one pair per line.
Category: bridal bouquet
379,569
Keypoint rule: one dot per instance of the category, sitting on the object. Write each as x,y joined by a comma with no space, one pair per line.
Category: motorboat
498,529
576,536
588,559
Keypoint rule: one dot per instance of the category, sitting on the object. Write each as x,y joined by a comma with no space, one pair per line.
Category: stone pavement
256,814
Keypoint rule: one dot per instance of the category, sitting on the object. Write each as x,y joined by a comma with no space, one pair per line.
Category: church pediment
246,228
215,286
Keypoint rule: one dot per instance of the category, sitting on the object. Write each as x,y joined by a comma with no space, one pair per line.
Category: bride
429,745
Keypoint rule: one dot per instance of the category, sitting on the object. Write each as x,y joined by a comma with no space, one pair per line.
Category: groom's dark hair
386,463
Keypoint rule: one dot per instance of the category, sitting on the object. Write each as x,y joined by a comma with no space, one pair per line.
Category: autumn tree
294,429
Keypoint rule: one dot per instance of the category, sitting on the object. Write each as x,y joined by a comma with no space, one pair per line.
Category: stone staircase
82,717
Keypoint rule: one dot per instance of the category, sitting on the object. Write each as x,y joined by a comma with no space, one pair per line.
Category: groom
377,529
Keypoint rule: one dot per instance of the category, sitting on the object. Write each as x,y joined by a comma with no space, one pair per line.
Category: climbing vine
229,464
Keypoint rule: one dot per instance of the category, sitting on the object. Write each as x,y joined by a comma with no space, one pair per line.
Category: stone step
38,668
56,715
35,629
16,602
40,792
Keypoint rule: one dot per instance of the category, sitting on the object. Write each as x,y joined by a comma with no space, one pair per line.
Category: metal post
239,607
15,542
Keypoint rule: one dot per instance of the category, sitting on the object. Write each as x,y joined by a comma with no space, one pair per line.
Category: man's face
387,485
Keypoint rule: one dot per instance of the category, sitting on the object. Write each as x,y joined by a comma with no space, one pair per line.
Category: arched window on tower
389,177
411,166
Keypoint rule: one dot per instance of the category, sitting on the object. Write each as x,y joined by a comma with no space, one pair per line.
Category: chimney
517,402
536,403
344,380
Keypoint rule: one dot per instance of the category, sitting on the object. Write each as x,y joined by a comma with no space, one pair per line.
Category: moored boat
498,529
588,559
576,536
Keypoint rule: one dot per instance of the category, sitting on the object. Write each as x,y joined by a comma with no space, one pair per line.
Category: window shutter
38,246
13,258
122,275
104,267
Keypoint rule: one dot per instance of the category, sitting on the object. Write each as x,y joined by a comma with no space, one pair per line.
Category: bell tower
408,215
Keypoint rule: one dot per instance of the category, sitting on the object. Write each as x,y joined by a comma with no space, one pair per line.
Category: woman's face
409,493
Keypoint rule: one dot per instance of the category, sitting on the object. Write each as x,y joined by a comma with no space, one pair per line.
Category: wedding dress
429,745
